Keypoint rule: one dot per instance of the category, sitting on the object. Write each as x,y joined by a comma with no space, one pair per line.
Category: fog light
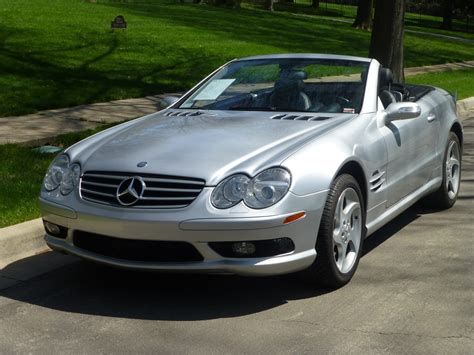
51,228
55,230
243,248
253,248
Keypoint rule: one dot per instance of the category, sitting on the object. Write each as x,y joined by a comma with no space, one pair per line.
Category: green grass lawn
413,21
61,53
21,175
22,170
460,82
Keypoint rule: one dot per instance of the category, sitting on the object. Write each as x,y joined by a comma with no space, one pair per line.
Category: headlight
264,190
267,188
230,191
61,174
70,179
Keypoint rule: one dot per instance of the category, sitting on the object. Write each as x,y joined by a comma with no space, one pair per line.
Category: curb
465,108
21,240
26,239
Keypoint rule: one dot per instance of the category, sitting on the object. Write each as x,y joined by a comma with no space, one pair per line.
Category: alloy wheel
452,166
347,230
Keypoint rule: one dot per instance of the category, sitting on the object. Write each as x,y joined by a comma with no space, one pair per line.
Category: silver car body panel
401,162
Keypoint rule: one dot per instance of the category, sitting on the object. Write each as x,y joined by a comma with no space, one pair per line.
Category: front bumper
210,226
248,266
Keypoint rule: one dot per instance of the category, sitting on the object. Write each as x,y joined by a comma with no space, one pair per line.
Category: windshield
305,85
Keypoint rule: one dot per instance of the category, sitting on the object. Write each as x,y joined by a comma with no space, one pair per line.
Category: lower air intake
136,250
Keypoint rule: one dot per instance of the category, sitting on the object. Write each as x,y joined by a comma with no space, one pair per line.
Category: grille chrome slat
174,181
100,184
161,191
166,189
168,198
97,193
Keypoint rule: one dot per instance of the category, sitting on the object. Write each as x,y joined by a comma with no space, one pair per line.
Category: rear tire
447,194
341,234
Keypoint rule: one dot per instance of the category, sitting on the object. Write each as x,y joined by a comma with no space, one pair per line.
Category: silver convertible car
270,165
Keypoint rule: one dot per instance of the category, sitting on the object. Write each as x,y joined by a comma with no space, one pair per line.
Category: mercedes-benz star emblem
130,190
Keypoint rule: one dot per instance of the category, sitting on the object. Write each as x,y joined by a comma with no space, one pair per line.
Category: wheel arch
457,129
354,169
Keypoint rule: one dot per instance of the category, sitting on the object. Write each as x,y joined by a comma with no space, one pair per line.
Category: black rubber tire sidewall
440,199
325,268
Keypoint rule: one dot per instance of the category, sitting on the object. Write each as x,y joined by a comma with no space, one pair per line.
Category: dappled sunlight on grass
458,82
21,173
56,53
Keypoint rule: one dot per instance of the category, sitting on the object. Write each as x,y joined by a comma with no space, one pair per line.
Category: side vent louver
299,117
183,113
377,180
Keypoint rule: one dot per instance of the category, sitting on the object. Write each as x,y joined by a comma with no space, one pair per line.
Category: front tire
341,234
447,194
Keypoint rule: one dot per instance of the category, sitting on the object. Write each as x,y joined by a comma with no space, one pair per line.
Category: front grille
136,250
161,191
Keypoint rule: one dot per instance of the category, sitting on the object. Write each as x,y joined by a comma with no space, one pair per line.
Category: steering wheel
337,103
343,101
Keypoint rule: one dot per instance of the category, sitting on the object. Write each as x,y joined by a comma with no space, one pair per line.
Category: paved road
413,293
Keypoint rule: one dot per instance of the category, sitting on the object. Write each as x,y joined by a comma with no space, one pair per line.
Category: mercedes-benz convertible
271,165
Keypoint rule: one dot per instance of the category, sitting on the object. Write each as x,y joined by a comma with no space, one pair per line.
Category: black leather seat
387,98
385,83
288,92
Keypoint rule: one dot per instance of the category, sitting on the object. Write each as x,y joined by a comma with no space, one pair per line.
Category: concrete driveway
413,293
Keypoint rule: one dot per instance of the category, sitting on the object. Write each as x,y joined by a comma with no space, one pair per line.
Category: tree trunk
315,4
386,44
363,18
269,5
447,15
235,4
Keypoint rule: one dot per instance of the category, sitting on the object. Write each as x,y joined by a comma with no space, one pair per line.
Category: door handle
431,117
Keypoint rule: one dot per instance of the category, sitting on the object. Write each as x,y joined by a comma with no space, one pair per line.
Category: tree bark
315,4
386,43
447,14
269,5
363,18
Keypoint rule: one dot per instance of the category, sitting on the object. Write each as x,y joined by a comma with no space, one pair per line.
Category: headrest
291,80
298,75
295,75
385,77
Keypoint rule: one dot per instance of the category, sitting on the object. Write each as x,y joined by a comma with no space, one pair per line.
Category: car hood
210,146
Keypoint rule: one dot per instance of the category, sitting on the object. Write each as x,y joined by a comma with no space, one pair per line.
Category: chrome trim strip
166,198
99,184
97,193
166,189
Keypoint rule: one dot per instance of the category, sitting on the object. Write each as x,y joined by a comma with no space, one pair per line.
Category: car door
411,152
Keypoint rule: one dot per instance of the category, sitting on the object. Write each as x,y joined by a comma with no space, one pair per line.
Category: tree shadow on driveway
86,288
78,287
